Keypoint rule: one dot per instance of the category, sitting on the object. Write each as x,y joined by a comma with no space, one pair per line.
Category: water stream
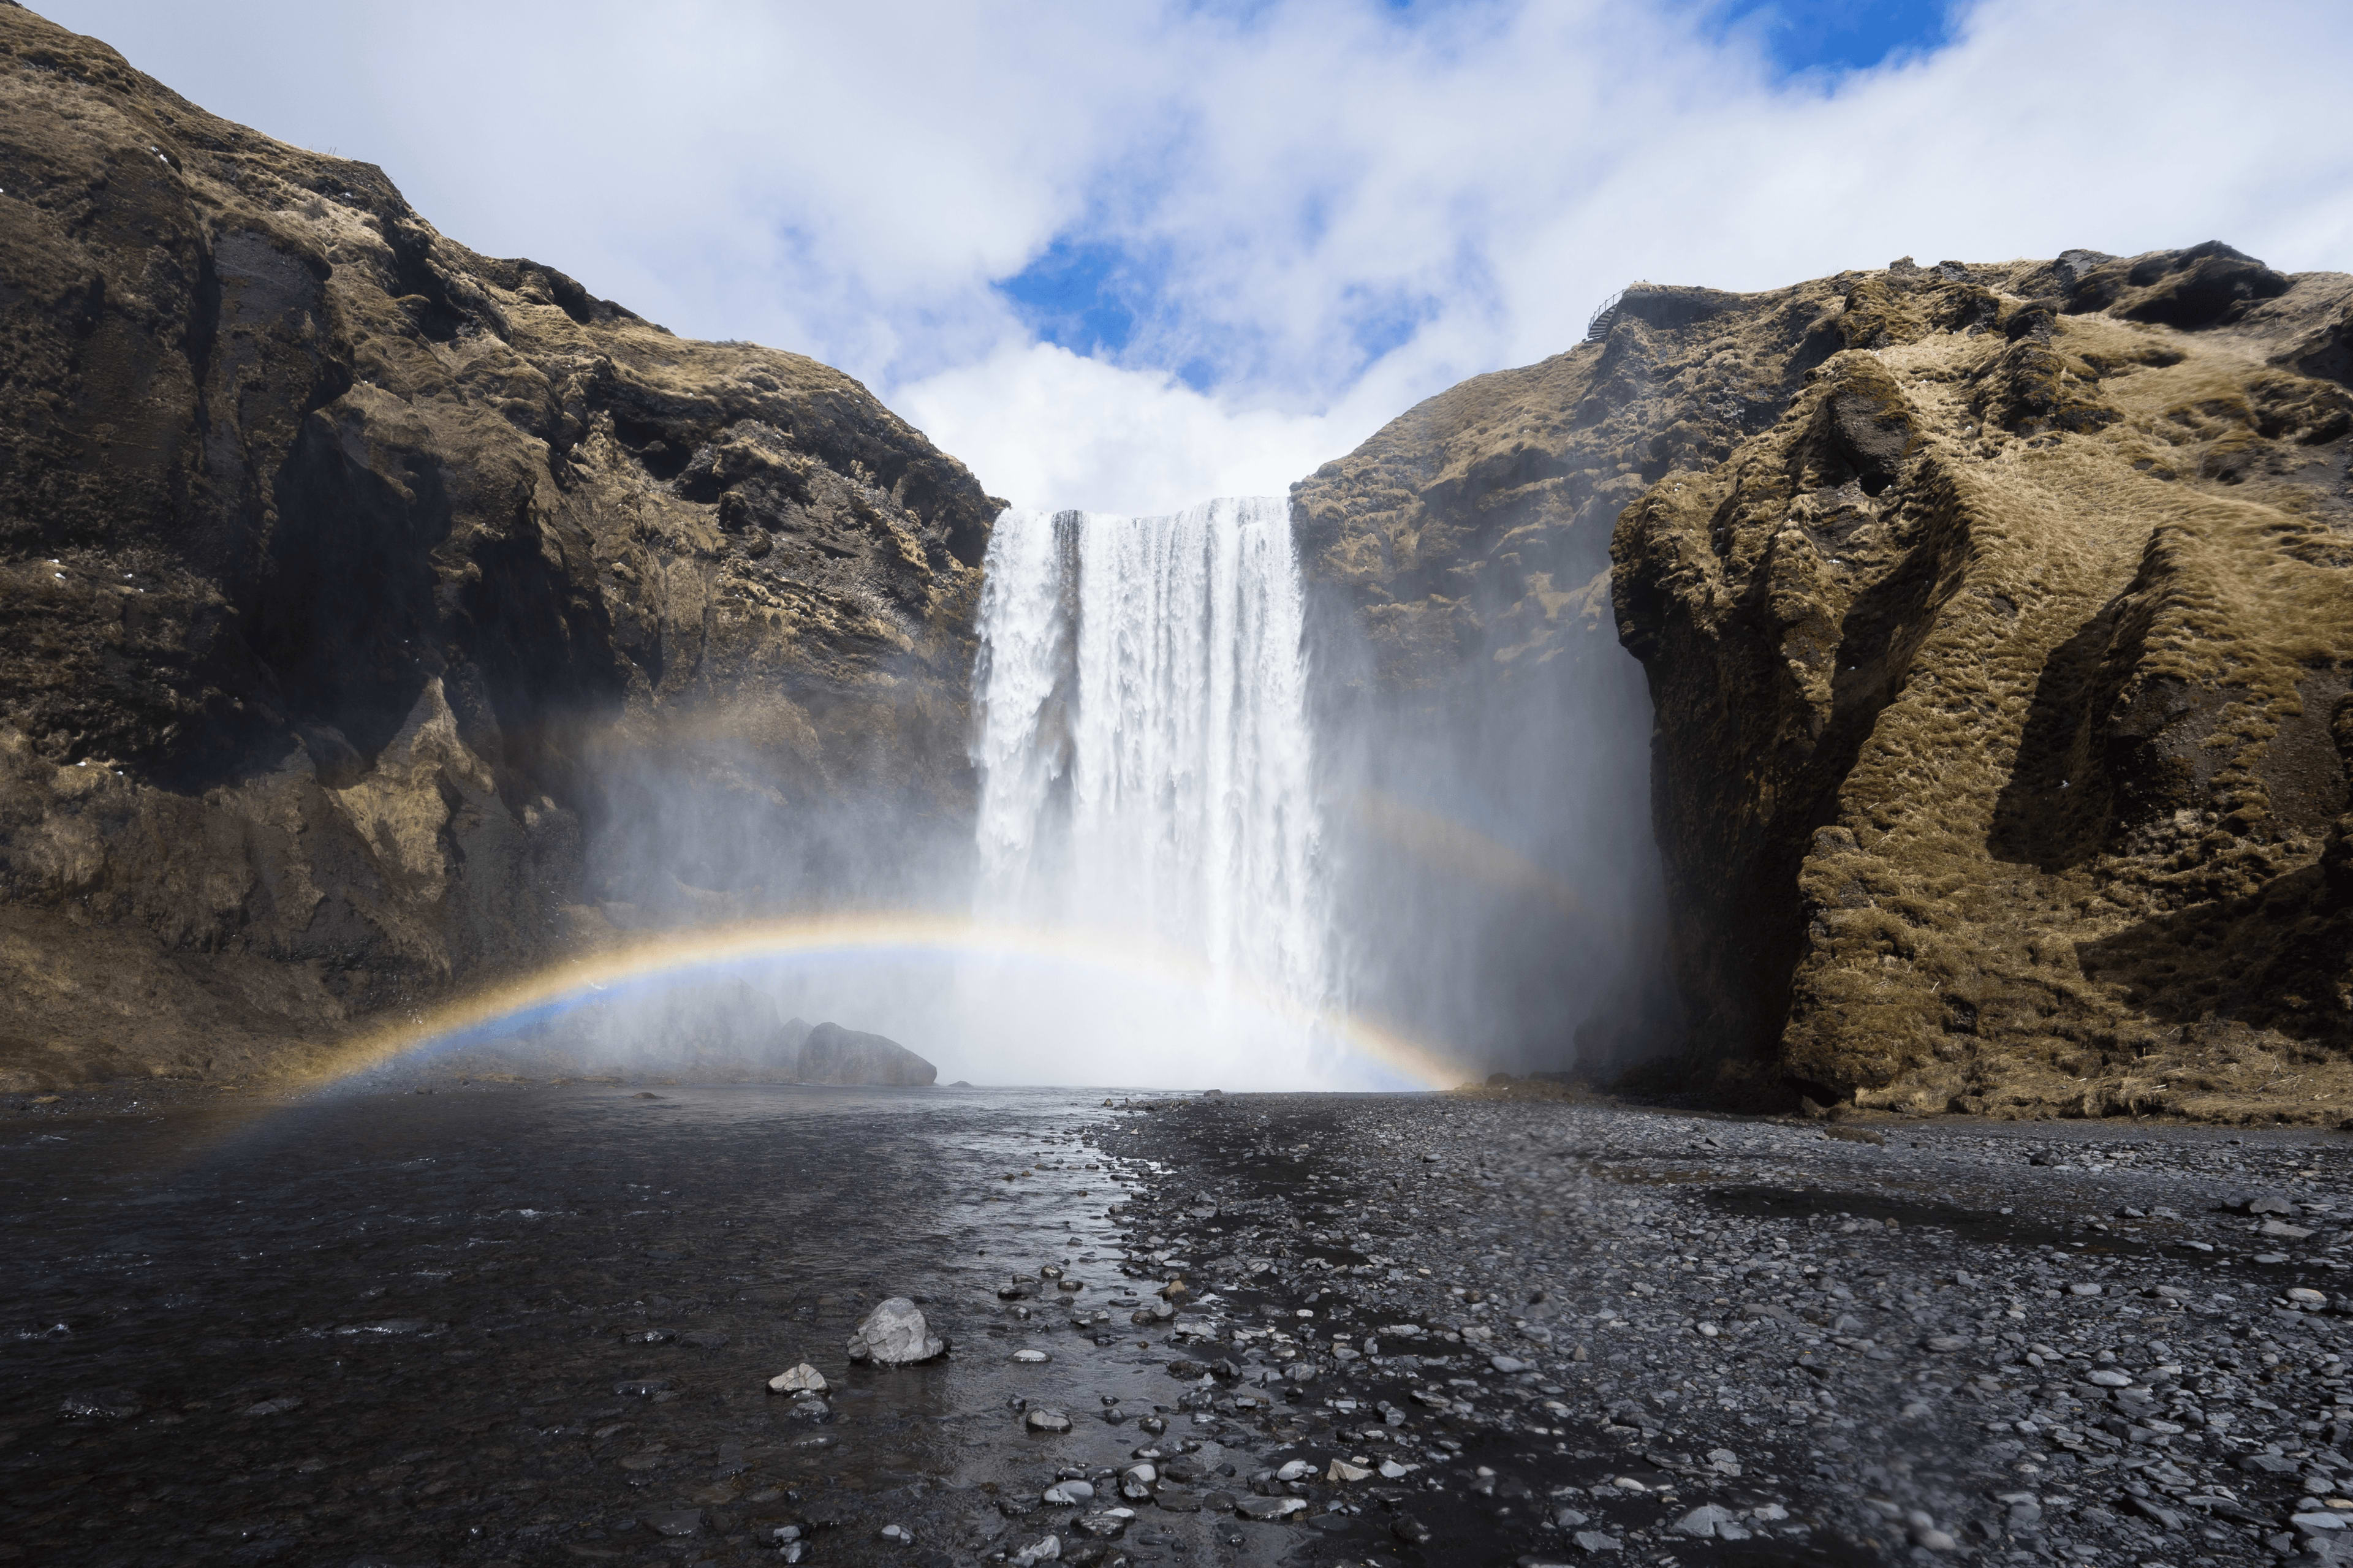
1147,768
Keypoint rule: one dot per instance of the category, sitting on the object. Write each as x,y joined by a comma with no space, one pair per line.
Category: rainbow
677,954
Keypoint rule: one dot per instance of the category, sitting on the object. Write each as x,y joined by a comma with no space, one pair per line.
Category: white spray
1144,752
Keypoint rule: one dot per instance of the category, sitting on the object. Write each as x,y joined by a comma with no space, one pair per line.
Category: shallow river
535,1325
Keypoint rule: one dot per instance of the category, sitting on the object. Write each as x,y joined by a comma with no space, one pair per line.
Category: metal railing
1596,326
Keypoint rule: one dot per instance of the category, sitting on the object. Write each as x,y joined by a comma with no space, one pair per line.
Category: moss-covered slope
2003,727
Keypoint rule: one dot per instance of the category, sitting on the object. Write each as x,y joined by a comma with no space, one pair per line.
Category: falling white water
1145,755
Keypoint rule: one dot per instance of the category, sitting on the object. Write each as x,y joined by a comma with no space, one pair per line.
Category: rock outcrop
1995,627
724,1030
831,1054
1487,733
356,590
1999,649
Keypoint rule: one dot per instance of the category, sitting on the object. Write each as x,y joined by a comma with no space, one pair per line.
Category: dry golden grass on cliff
2022,903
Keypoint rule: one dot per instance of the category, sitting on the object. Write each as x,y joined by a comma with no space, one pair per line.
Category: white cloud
1066,431
848,181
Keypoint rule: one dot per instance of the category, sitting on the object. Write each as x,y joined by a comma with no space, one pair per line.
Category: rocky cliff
1492,734
1995,627
359,590
2000,669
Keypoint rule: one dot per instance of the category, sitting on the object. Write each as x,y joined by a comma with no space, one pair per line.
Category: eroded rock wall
1491,738
2001,680
355,588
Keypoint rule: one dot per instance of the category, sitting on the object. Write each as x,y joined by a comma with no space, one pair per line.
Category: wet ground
533,1325
530,1325
1591,1332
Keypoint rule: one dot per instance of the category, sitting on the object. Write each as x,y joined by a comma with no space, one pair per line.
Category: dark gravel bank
1557,1332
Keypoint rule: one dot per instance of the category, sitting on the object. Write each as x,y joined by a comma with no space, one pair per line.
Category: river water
521,1325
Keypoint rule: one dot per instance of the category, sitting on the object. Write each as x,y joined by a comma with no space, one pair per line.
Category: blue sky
1832,36
1090,294
1126,254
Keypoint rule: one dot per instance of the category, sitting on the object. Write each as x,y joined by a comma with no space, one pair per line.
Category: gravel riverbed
1559,1332
536,1325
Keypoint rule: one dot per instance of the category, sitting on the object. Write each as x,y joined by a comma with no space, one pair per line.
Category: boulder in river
797,1379
895,1335
832,1053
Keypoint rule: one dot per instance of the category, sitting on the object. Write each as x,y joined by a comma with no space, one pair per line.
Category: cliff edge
354,589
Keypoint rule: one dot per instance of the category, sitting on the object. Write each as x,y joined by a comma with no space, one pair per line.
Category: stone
1341,1471
798,1379
1507,1363
1594,1541
677,1523
1068,1494
1701,1522
1039,1420
894,1334
1048,1550
1267,1509
2284,1231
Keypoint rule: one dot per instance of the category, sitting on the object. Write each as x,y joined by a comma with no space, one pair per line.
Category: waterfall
1142,741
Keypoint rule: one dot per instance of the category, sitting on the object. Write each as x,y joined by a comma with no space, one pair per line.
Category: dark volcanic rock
356,585
832,1053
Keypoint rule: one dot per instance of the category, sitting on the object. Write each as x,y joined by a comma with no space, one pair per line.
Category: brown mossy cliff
345,571
2002,733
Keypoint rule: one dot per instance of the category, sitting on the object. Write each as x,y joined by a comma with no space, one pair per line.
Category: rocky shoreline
525,1324
1553,1331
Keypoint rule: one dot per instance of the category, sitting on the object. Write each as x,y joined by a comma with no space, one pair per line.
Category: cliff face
358,587
1492,734
2000,676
